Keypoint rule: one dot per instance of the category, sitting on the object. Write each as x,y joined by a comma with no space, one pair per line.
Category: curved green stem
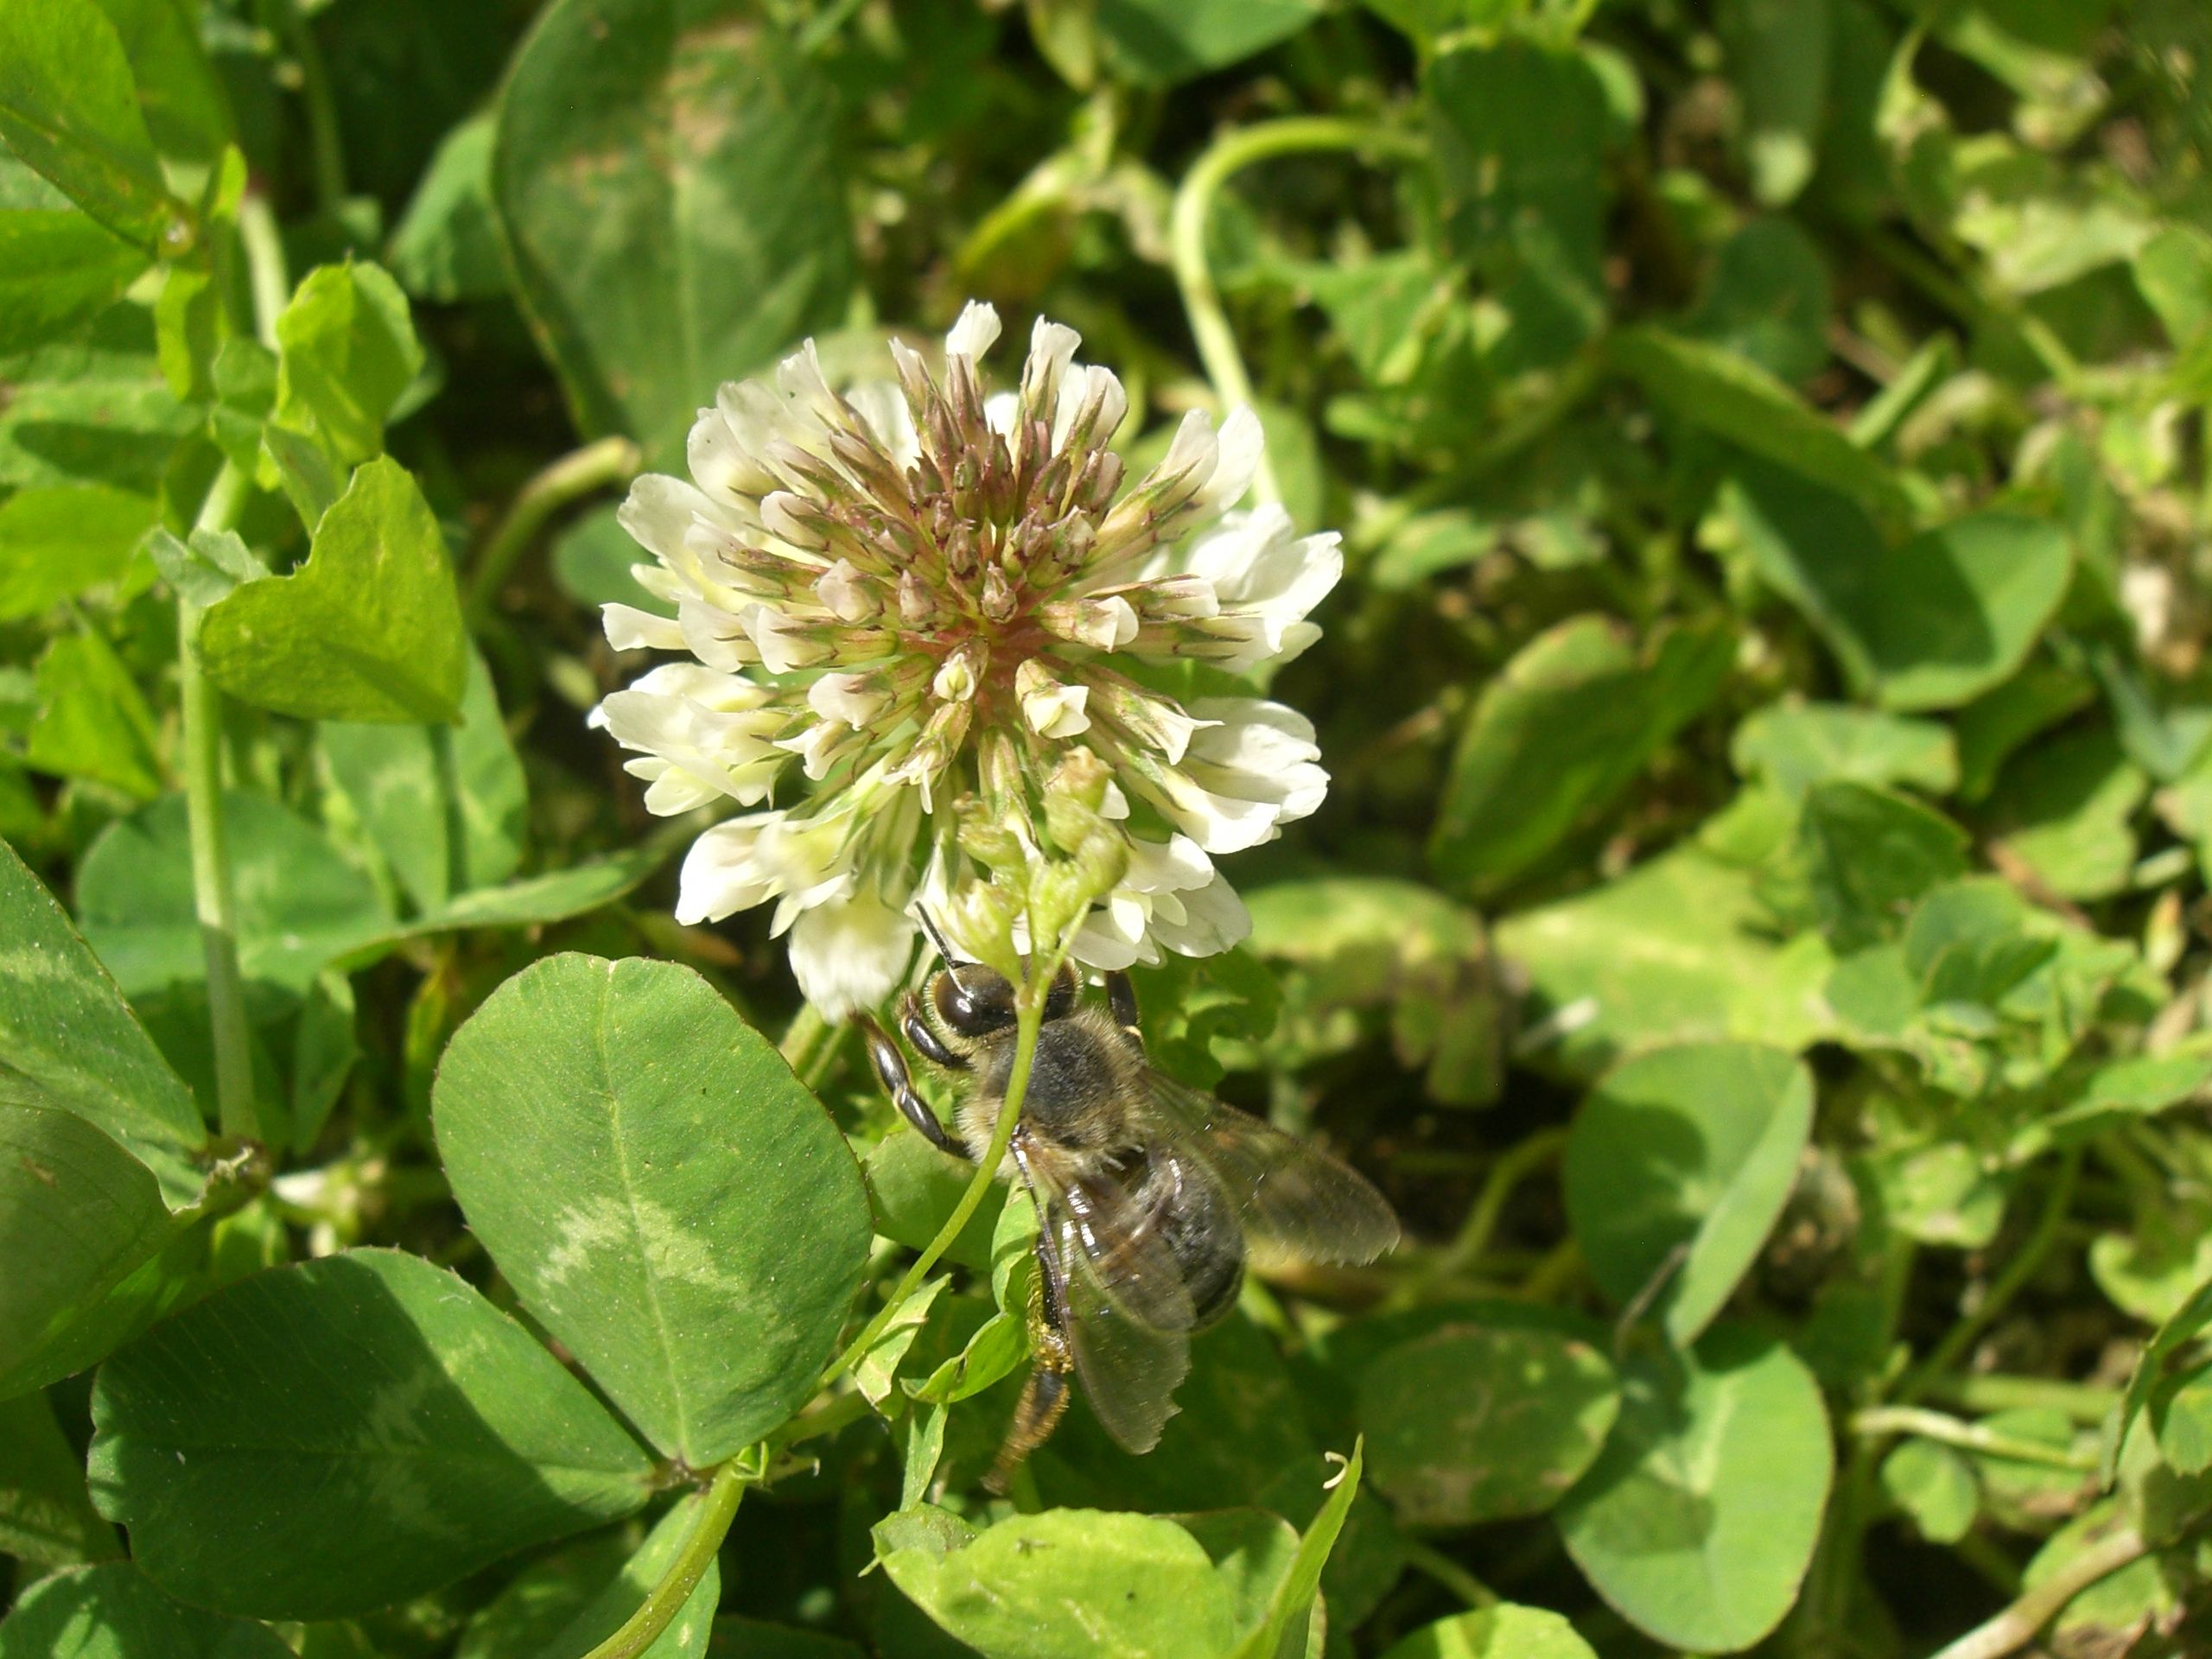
264,265
1885,1420
2025,1262
1512,1168
1229,154
323,141
1030,1010
1449,1573
214,898
659,1610
576,475
2014,1628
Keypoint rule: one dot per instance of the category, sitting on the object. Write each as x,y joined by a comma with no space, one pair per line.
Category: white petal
629,628
1051,348
1102,624
660,511
802,381
882,408
670,793
1056,710
1214,919
1220,823
714,636
976,332
1196,449
845,594
784,644
1251,732
1240,443
1102,943
851,698
723,873
1170,866
719,460
1003,413
1078,386
850,955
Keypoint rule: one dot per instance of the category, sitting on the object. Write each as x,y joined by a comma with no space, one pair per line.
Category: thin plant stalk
575,475
1029,1009
662,1604
1229,154
214,898
2016,1626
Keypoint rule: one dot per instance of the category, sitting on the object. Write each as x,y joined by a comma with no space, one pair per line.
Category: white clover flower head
869,585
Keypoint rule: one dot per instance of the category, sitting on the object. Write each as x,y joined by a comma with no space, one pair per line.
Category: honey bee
1147,1192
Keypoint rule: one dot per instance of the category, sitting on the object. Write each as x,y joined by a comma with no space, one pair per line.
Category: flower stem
1884,1421
271,282
2014,1628
2085,1403
2025,1263
213,897
1229,155
1461,1255
659,1610
1029,1007
1449,1573
576,475
324,143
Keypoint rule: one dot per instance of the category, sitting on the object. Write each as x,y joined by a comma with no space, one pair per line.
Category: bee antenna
944,949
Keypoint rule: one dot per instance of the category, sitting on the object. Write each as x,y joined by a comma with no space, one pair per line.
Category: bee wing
1290,1195
1127,1312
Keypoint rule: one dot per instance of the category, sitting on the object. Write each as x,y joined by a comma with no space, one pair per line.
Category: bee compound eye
975,1002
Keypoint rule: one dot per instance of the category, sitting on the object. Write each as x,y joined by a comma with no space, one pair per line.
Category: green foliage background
1755,933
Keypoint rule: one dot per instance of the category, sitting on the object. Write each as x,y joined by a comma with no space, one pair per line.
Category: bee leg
1045,1396
1121,999
899,1083
927,1044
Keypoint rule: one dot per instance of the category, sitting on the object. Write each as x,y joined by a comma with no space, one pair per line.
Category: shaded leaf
659,1188
1678,949
69,108
665,172
445,805
1795,746
58,269
325,1439
83,1224
1676,1169
1931,624
1351,944
1710,388
346,349
1935,1486
113,1611
1505,1631
93,721
2064,810
61,541
1559,733
300,906
565,1606
47,1516
369,628
447,244
1072,1582
66,1035
1471,1423
1699,1520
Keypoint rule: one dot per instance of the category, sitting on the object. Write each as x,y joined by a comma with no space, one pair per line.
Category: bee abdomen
1203,1230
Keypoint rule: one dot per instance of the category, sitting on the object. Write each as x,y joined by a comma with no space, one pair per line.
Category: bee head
974,1002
